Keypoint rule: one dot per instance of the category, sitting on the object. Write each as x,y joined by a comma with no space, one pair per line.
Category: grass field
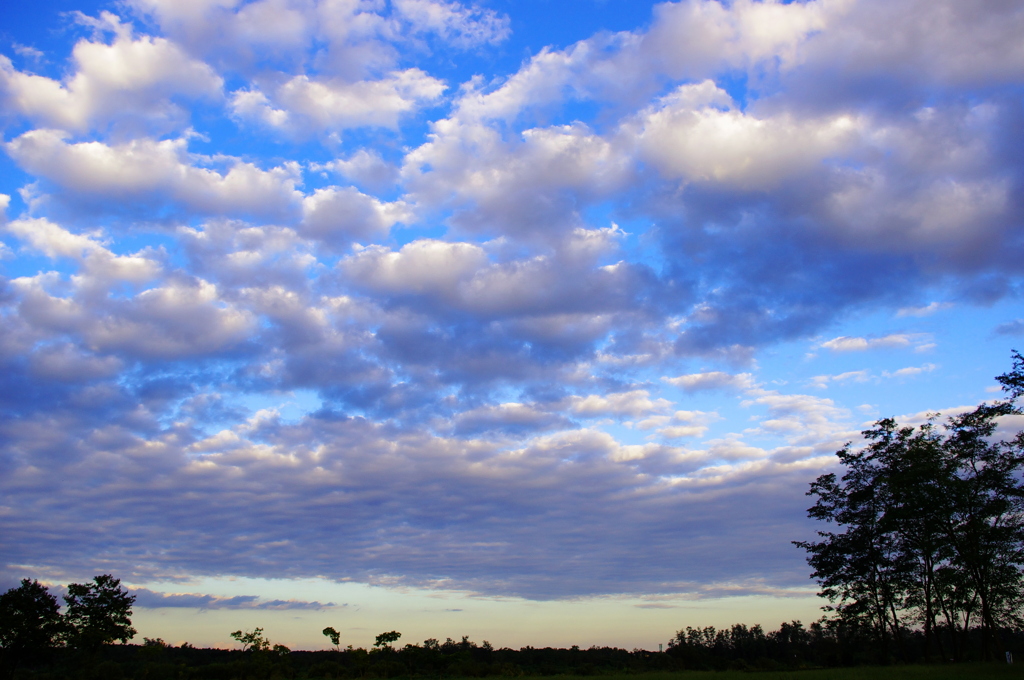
973,671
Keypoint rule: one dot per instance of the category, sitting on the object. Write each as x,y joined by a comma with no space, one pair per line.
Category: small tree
29,623
334,636
252,640
384,640
98,613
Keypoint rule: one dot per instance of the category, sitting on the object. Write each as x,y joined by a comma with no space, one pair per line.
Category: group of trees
31,623
432,658
930,532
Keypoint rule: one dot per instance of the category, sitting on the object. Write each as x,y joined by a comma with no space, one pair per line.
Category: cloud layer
288,294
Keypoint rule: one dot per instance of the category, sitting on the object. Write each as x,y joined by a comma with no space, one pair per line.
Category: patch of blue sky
557,24
46,27
291,406
936,355
736,84
23,262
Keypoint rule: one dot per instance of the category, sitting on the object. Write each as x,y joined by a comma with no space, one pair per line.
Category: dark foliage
98,613
30,624
930,534
791,647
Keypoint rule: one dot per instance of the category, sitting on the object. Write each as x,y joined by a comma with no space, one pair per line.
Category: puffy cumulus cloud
424,267
509,418
242,34
154,176
712,380
365,167
339,215
948,43
941,186
455,23
908,217
303,104
423,510
239,255
178,319
349,38
461,276
689,39
100,266
533,187
695,134
130,84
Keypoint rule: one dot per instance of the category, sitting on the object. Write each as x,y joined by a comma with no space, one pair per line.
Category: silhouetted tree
930,524
252,640
334,636
384,640
30,623
98,613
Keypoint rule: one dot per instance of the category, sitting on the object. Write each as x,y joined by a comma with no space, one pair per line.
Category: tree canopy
930,528
98,613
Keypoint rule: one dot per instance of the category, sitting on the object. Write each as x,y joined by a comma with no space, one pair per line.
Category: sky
530,321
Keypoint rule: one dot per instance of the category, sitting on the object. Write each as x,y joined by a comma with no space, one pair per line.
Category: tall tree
863,571
98,613
985,522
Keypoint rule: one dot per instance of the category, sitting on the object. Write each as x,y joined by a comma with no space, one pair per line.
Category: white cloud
858,344
697,135
804,419
148,172
952,42
364,167
507,417
822,381
303,104
128,83
176,320
634,403
532,186
693,37
910,371
100,266
460,275
927,310
453,22
712,380
337,215
423,266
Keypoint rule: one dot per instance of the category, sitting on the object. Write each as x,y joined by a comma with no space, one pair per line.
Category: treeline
828,643
930,534
791,647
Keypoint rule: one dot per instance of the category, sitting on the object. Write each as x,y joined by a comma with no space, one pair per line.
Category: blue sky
530,321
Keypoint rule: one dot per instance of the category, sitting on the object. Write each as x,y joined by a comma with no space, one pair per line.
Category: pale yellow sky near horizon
362,611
